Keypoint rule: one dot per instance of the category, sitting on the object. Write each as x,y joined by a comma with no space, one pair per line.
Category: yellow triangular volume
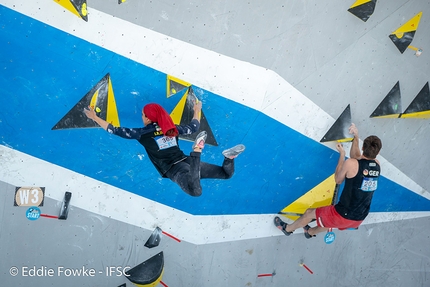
388,116
320,195
360,2
411,25
417,115
99,101
112,112
175,85
345,140
176,114
69,6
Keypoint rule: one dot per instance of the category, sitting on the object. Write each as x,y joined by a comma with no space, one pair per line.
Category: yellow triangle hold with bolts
410,26
175,85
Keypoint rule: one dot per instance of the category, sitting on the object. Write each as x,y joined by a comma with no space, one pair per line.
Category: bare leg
302,221
317,229
307,217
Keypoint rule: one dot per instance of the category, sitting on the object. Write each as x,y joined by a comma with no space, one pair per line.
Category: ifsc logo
329,237
33,213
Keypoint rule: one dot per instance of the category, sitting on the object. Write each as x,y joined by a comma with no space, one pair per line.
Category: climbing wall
271,77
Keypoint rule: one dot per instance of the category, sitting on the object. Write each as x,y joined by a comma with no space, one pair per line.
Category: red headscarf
158,115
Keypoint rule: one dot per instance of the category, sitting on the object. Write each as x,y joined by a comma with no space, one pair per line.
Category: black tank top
354,202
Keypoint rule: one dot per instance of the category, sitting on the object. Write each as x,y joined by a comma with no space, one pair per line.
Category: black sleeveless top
354,202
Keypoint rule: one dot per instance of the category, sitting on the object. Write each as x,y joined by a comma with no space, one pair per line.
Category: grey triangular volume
339,130
391,104
76,118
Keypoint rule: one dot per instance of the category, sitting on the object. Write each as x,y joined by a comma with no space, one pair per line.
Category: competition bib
165,142
369,184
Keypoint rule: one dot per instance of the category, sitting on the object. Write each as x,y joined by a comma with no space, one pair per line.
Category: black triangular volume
364,11
188,115
78,4
155,238
421,102
76,117
147,272
402,43
64,210
391,104
339,130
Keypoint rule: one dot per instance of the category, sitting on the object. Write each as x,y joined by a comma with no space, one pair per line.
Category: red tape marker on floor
162,283
264,275
267,274
49,216
171,236
307,268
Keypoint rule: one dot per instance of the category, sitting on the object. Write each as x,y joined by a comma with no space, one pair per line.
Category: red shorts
328,217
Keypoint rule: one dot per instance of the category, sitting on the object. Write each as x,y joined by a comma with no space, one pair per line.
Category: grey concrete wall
390,254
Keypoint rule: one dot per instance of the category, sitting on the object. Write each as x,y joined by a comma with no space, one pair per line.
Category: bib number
369,184
165,142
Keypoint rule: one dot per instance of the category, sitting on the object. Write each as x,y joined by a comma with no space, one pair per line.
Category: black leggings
187,173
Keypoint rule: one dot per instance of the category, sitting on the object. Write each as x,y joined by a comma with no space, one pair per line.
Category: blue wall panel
44,72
